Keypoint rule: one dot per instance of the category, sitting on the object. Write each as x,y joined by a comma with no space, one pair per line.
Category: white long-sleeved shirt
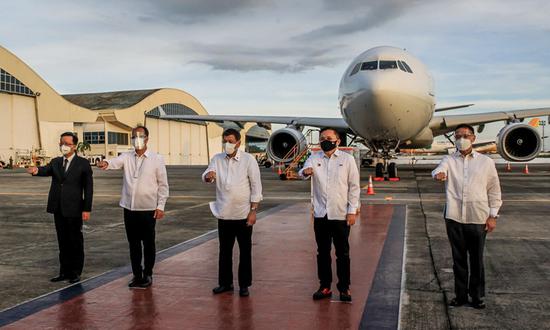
472,187
145,183
238,183
336,186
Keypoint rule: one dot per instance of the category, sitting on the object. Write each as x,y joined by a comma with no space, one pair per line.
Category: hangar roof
109,100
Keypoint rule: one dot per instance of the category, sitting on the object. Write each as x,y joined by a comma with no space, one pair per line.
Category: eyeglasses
66,144
463,136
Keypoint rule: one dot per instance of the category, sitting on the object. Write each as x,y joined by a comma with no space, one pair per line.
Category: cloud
378,12
285,59
193,11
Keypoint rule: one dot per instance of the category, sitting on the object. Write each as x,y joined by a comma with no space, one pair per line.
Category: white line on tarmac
300,198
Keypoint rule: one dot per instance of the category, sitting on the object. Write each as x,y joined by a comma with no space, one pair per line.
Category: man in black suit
70,201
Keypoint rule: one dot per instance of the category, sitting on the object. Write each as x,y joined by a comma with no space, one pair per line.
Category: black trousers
71,245
140,229
228,230
326,233
467,245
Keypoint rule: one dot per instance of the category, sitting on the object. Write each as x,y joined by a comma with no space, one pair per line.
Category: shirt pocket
341,173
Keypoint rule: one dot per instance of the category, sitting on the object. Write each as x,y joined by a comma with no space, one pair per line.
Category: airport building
33,115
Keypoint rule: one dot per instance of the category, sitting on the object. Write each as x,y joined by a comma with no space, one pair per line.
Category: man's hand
251,218
350,218
210,176
33,170
307,171
490,224
85,216
440,176
159,214
102,165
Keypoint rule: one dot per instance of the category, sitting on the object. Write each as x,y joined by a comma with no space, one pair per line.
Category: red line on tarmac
285,276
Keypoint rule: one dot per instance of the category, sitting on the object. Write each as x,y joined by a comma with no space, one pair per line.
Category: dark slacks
228,230
140,229
467,245
71,245
326,233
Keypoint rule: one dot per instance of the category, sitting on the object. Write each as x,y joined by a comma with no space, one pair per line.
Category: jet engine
518,142
285,144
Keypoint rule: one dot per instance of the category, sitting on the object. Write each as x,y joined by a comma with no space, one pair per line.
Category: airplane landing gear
392,172
385,171
379,172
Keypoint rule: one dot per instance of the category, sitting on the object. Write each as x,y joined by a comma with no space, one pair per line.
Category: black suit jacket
71,192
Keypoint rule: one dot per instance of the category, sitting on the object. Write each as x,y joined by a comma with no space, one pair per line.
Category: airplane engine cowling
284,144
518,142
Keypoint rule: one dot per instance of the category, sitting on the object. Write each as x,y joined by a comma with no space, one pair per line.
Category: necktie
66,162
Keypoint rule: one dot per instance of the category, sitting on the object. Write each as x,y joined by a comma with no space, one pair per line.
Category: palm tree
83,146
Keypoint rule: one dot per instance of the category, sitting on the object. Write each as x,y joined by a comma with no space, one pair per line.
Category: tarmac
517,254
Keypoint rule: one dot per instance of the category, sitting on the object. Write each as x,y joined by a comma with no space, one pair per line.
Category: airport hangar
33,115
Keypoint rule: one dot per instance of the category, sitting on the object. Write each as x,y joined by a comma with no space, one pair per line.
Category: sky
282,57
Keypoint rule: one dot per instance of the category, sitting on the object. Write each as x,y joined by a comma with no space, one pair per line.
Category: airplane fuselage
387,96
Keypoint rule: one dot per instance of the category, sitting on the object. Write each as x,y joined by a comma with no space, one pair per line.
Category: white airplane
387,100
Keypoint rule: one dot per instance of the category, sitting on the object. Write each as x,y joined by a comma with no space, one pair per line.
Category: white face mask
229,148
138,142
65,150
463,144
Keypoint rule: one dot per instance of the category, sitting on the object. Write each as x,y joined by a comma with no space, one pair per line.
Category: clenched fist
210,176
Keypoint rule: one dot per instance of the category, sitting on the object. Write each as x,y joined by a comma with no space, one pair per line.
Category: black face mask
328,145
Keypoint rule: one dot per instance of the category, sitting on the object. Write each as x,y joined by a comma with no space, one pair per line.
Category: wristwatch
254,208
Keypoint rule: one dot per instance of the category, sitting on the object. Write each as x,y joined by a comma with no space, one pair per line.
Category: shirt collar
71,158
473,154
237,155
336,153
147,153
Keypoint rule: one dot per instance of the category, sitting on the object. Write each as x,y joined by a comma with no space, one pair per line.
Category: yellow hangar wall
180,143
36,121
32,120
17,124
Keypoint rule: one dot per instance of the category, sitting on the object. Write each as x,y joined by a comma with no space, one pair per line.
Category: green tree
83,146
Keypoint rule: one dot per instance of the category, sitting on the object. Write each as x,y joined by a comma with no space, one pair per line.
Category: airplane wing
447,123
298,121
454,107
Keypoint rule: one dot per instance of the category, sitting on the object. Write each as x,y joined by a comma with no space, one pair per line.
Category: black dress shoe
135,282
58,278
74,279
345,296
243,292
322,293
455,302
222,288
146,282
478,304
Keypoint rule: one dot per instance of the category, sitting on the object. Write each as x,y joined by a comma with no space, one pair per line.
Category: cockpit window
388,65
401,66
407,67
355,69
372,65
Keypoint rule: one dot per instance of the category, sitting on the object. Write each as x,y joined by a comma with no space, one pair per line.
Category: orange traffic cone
526,169
370,187
508,167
